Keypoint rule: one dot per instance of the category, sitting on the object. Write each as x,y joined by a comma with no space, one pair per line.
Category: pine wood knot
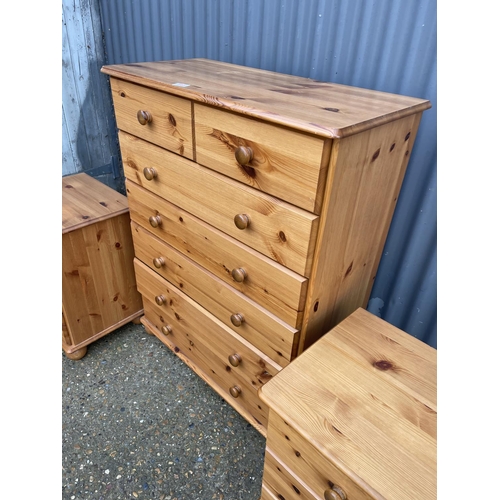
383,365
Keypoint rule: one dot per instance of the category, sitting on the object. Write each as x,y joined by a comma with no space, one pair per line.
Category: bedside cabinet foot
79,354
137,321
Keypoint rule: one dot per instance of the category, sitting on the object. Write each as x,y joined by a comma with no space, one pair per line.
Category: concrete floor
137,423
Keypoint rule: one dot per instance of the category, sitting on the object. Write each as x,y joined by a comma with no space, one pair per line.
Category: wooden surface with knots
277,229
360,404
99,292
268,196
325,109
85,201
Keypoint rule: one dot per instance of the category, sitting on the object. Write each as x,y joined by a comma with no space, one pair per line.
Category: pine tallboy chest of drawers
260,204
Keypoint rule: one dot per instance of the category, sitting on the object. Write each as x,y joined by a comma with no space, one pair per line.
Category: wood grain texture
277,229
365,177
171,117
207,341
279,290
360,400
282,482
285,164
98,281
264,330
85,201
325,109
240,404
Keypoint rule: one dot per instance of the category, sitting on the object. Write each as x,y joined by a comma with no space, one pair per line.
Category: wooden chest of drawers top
320,108
364,396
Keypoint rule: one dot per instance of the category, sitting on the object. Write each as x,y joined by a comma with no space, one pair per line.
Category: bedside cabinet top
364,395
321,108
85,201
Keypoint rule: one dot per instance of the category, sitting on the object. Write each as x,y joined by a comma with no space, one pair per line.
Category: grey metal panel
387,45
89,129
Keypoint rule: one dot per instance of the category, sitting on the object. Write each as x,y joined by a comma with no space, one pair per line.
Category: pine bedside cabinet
99,291
354,417
260,203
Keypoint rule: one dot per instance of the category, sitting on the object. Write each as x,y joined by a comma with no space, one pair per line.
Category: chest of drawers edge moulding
258,200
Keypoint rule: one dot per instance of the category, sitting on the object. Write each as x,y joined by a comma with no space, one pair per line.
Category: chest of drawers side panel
363,184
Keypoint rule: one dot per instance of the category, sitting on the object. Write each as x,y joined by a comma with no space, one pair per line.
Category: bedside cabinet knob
235,391
241,221
159,262
155,220
160,300
243,155
237,319
235,360
144,117
239,274
150,173
166,329
335,493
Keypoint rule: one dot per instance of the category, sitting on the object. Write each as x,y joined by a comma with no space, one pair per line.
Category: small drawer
279,290
265,331
282,483
157,117
307,462
281,231
208,343
279,161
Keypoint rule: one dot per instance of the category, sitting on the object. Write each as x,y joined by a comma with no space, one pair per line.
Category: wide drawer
306,462
281,231
157,117
279,290
245,317
282,162
227,359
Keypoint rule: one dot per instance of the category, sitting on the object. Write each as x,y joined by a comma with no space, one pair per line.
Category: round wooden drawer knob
160,300
335,493
237,319
239,274
235,391
159,262
166,329
243,155
144,117
235,360
241,221
150,173
155,220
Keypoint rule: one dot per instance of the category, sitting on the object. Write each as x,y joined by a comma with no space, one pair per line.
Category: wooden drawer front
207,341
306,462
171,117
281,231
284,163
279,290
254,323
282,483
267,494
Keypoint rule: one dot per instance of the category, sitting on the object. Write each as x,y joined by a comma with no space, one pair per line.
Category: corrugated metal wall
89,140
387,45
